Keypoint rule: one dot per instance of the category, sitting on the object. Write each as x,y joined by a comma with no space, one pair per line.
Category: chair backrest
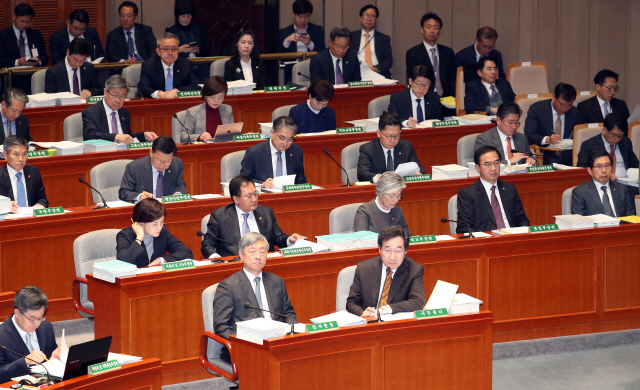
582,133
72,127
203,224
566,200
349,161
132,75
302,67
465,149
217,67
37,82
341,218
345,280
452,208
214,347
584,95
106,177
460,91
176,127
634,136
528,77
230,165
281,111
525,101
378,105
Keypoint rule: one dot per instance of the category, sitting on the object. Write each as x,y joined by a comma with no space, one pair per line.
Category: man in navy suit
336,64
301,35
487,92
370,45
277,156
74,74
19,182
484,46
418,103
77,27
27,332
13,121
595,109
551,121
163,76
131,41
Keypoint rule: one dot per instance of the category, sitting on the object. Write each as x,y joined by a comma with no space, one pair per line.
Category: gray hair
30,298
13,140
388,183
284,122
116,82
250,239
167,35
16,94
339,32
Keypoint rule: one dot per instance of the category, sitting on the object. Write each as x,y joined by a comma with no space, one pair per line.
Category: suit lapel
13,41
138,40
28,183
148,175
376,280
246,286
64,78
506,201
497,142
398,279
266,157
484,200
618,198
332,72
21,345
288,155
595,197
595,107
261,221
232,217
5,182
157,246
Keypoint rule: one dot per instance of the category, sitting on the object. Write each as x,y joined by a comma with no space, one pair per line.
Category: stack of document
337,241
515,168
384,81
240,87
5,205
265,128
66,148
565,144
67,98
112,269
368,125
561,167
631,179
473,119
301,243
602,220
450,171
123,359
441,296
53,99
99,145
259,329
407,169
462,303
573,221
343,318
364,239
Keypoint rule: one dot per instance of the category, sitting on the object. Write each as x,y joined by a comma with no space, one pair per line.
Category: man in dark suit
13,122
487,92
27,332
595,109
484,45
505,137
110,121
480,207
74,74
301,35
263,161
389,283
386,152
131,41
336,64
77,27
370,45
154,176
602,195
551,121
20,182
163,76
229,223
419,103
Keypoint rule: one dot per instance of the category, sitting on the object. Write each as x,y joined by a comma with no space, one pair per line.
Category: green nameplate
48,211
178,265
246,137
416,178
541,168
189,93
37,153
446,123
543,228
349,130
422,314
305,250
421,239
139,145
277,88
322,327
366,83
94,99
297,187
177,198
101,368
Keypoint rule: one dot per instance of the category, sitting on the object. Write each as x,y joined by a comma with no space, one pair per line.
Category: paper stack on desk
5,205
463,303
343,318
368,125
99,145
473,119
450,171
301,243
259,329
365,239
337,241
265,128
112,269
240,87
602,220
573,221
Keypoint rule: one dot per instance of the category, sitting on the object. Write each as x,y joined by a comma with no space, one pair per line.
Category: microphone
185,129
304,75
49,381
104,202
248,306
336,161
443,220
200,234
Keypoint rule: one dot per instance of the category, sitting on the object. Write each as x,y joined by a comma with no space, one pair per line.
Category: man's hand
293,37
268,183
306,39
23,61
168,95
295,237
553,139
145,195
155,262
412,122
137,226
35,357
184,48
85,94
124,138
204,137
150,136
531,161
56,354
14,207
517,157
494,110
132,59
369,312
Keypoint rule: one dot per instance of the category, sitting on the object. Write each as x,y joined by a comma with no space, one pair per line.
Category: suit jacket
589,111
258,165
474,207
152,76
405,294
382,47
196,120
585,199
476,96
236,290
539,124
59,43
117,43
372,160
12,365
400,103
138,177
491,137
418,55
323,67
56,79
224,225
131,252
233,72
595,144
10,52
196,34
467,56
35,188
22,128
316,34
95,124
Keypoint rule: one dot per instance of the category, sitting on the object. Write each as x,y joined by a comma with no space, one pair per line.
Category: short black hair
507,109
235,185
366,7
430,15
184,7
79,46
482,62
486,32
481,151
596,155
30,298
603,75
24,9
148,210
301,7
321,90
339,32
567,91
79,15
165,145
284,122
422,71
614,120
129,4
394,231
389,119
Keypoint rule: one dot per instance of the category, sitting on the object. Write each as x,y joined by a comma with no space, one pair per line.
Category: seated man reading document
419,103
74,74
11,108
20,182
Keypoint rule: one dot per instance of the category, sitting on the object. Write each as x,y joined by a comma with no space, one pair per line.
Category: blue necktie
279,163
606,109
131,48
257,291
168,82
22,197
419,112
245,224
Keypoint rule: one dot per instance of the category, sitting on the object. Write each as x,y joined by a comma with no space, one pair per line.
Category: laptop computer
224,133
81,356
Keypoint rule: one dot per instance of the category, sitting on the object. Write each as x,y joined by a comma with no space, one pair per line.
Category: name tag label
177,198
541,168
532,96
585,93
94,99
48,211
417,178
322,327
453,122
246,137
366,83
189,93
543,228
37,153
101,368
277,88
422,239
526,64
305,250
593,125
178,265
297,187
422,314
139,145
349,130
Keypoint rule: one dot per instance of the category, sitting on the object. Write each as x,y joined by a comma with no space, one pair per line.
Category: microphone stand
49,380
344,170
200,234
185,129
104,202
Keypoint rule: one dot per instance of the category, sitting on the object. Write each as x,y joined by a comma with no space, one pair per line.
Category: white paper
26,211
207,196
407,169
28,377
280,181
123,359
54,366
444,237
298,328
442,296
300,243
343,318
397,316
515,230
564,167
367,74
148,270
479,234
97,60
632,174
64,349
118,203
273,254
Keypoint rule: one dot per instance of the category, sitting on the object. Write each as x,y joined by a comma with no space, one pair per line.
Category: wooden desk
441,353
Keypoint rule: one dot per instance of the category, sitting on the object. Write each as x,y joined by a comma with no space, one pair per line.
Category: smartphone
31,60
192,44
304,35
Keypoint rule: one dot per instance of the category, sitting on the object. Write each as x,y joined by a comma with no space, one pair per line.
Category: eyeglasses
340,47
390,137
611,88
161,162
285,139
616,136
421,85
117,97
369,16
168,49
252,195
397,252
600,166
512,123
395,197
253,252
34,320
488,165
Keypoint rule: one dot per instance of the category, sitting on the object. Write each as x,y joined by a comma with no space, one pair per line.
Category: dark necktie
494,93
613,159
495,206
257,292
131,47
76,84
385,289
160,185
389,161
114,123
7,129
21,45
419,112
606,204
279,163
436,71
339,79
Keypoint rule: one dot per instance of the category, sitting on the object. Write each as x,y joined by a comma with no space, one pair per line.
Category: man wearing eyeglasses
390,283
161,77
336,64
484,46
230,223
277,156
110,121
77,27
489,203
74,74
595,109
419,103
370,45
386,152
27,332
154,176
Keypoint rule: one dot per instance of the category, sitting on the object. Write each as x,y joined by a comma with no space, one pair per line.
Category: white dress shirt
621,170
431,57
601,103
246,70
387,308
109,111
384,151
363,44
414,107
478,55
133,38
554,117
274,159
487,187
333,65
263,293
27,50
503,141
487,86
600,193
23,335
70,76
14,182
154,95
311,108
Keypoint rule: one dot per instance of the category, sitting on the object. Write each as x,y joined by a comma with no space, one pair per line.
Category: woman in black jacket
246,63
